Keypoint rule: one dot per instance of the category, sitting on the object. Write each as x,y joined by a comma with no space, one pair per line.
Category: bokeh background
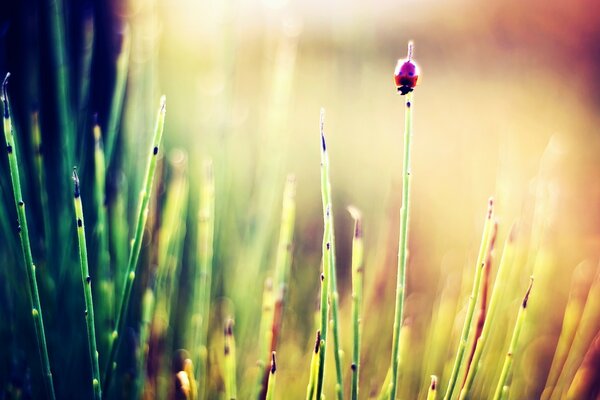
507,107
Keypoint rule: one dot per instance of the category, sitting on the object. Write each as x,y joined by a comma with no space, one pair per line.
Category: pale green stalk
36,141
357,288
230,362
86,280
479,267
497,291
23,230
136,246
206,228
106,284
432,392
271,384
326,250
116,104
402,247
508,360
273,308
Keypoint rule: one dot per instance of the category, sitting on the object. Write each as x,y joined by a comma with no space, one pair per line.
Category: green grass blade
134,254
271,384
23,230
357,287
86,280
402,247
508,360
479,267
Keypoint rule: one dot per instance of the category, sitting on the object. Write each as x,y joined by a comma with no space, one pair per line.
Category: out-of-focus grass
504,109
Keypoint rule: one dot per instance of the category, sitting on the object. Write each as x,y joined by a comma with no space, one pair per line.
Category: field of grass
233,201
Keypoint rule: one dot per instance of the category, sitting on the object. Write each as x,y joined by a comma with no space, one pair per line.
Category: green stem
34,296
134,254
402,246
326,249
479,267
508,360
86,280
271,385
230,362
432,392
357,287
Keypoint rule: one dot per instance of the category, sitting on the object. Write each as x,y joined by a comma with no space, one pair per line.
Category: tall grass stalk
329,295
479,267
402,246
86,280
116,104
311,389
357,287
200,314
497,291
502,386
23,230
136,246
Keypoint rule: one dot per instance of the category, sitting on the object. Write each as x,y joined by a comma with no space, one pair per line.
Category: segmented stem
86,280
479,267
230,362
136,247
22,229
402,246
502,386
357,287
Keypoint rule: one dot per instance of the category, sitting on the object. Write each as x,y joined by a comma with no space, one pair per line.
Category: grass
169,271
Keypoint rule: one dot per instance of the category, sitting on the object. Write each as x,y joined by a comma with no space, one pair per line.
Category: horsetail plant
329,295
23,230
502,387
274,304
200,314
86,280
405,85
357,286
134,254
479,267
497,291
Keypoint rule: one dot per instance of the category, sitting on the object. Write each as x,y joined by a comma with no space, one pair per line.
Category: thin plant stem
497,291
134,254
508,360
23,230
326,249
271,384
402,246
86,280
479,267
357,288
116,104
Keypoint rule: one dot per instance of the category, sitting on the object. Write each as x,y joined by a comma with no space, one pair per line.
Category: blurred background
507,106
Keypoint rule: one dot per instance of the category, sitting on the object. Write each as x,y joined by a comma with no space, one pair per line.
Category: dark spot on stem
86,313
318,342
323,142
358,229
353,367
433,383
5,96
322,277
226,350
526,298
155,151
79,222
88,279
21,204
9,148
19,228
328,245
273,363
408,104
